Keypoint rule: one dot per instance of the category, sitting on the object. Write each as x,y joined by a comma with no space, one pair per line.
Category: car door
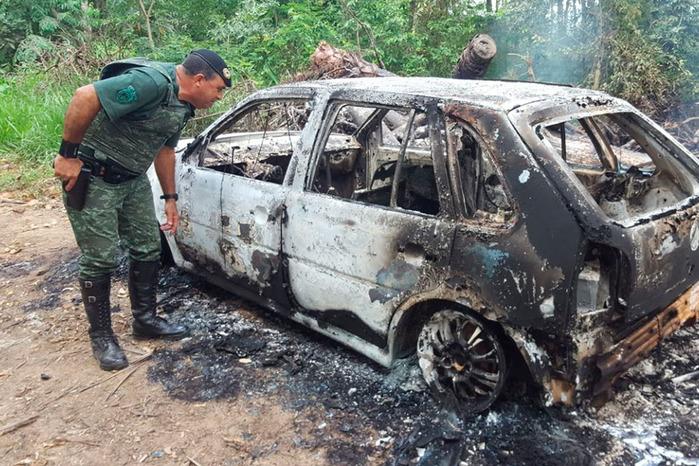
251,152
643,205
363,233
199,233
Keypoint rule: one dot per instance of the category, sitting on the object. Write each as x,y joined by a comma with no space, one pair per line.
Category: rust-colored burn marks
637,345
462,112
562,392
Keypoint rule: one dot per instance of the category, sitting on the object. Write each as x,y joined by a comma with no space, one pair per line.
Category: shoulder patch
127,95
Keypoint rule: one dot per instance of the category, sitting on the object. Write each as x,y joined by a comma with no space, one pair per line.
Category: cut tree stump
475,58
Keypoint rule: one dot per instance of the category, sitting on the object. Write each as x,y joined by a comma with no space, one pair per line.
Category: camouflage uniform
140,114
115,211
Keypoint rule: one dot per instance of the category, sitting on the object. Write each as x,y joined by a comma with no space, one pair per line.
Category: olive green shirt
140,114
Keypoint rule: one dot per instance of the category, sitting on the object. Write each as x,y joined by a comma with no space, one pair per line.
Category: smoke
540,42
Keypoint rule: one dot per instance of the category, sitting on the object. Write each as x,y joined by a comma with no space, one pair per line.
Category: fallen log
475,58
328,62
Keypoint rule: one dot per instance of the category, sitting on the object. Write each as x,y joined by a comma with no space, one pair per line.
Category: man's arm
165,169
82,109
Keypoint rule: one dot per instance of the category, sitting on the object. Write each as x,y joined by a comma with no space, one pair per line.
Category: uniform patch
127,95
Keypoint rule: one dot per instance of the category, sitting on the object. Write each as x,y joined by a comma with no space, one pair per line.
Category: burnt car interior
484,196
625,169
379,156
259,142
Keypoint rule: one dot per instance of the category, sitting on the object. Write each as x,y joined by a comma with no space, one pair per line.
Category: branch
16,425
366,28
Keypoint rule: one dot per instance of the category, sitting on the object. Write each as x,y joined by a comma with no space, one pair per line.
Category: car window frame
457,188
265,95
528,117
438,147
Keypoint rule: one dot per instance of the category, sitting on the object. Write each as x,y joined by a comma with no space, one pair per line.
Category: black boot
105,346
143,284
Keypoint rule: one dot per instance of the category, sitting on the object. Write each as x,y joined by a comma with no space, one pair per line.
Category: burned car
482,225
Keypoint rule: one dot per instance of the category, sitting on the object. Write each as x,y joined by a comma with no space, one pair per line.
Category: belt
110,171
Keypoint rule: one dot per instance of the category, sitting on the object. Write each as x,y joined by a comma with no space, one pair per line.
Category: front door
252,153
198,236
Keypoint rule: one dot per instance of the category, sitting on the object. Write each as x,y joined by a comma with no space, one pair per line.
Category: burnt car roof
497,95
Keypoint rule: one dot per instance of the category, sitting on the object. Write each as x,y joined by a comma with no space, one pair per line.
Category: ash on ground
240,350
362,411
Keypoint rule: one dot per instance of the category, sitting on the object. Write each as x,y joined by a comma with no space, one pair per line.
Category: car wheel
462,360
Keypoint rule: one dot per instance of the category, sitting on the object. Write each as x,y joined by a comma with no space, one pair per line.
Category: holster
76,196
110,171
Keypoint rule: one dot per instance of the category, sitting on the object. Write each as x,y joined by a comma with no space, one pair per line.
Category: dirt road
251,388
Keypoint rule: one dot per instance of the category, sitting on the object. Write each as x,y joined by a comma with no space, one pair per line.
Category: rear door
370,224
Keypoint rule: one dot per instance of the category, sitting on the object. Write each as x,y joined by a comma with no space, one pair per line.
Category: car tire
462,360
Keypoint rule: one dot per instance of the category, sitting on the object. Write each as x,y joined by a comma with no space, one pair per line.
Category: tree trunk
147,17
328,62
475,58
413,16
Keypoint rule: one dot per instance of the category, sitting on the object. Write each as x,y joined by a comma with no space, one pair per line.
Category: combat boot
143,284
105,347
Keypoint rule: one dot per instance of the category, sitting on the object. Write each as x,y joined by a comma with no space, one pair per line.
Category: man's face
207,91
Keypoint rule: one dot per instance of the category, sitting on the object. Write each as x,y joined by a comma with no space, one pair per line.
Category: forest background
645,51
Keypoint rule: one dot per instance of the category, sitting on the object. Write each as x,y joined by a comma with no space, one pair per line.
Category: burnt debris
239,351
369,412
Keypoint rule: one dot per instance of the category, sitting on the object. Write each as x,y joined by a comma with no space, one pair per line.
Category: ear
198,79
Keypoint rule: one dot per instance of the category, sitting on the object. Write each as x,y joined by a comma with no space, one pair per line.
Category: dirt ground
249,387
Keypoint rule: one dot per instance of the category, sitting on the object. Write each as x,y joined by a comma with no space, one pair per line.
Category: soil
249,387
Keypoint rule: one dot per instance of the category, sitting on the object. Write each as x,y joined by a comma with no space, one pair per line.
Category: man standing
113,130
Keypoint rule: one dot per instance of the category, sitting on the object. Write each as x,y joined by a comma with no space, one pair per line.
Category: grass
31,116
31,121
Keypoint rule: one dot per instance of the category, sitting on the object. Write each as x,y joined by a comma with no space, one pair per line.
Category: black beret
216,63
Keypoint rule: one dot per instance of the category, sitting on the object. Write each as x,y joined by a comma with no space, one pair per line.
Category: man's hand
172,216
67,170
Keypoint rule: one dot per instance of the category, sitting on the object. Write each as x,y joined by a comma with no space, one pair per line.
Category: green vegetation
646,51
31,118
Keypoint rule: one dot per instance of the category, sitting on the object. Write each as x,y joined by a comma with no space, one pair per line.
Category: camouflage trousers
115,213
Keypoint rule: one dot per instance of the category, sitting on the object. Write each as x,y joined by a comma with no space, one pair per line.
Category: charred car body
466,221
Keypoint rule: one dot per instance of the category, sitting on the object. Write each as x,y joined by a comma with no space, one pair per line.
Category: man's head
203,79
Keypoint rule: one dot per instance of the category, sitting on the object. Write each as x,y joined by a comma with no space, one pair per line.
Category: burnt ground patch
58,274
239,350
364,411
55,274
10,269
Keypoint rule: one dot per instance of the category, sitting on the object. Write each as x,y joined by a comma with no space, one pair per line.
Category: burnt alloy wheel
462,361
